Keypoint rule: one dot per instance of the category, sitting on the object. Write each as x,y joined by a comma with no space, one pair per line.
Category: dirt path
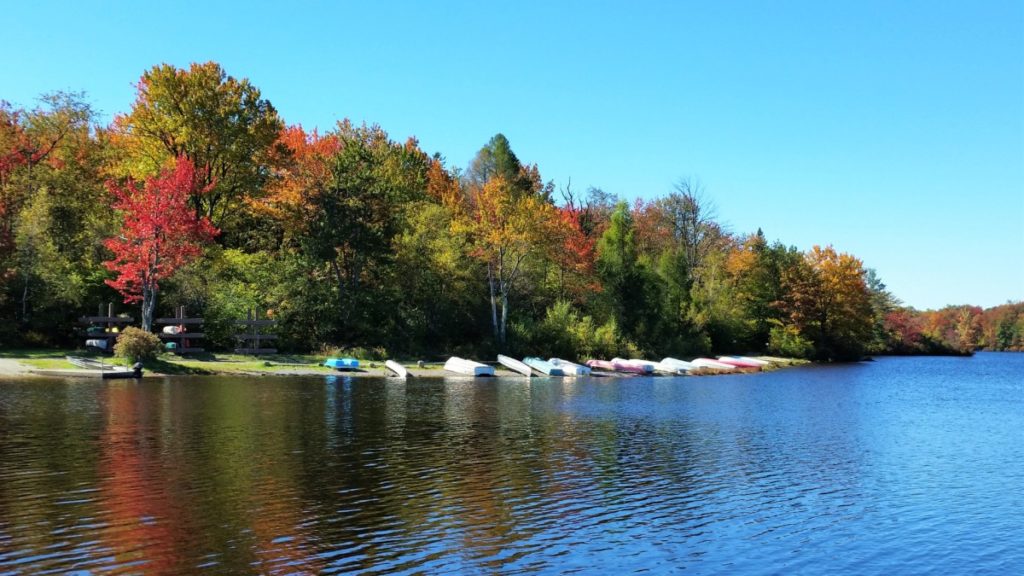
10,367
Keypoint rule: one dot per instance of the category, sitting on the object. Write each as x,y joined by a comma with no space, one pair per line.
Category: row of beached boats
532,365
558,367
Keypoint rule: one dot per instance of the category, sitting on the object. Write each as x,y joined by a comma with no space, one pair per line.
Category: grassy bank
200,364
28,360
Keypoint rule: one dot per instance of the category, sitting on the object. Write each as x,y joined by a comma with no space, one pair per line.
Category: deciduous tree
160,233
221,124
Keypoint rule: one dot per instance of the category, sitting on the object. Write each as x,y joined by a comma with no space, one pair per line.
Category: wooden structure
105,328
252,339
188,332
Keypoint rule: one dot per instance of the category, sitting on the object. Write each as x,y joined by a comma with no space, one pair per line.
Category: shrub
135,344
786,341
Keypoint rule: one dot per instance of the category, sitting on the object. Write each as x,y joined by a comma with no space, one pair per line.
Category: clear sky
891,130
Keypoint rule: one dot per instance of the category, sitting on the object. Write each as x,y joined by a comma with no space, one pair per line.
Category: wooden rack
250,342
189,331
111,325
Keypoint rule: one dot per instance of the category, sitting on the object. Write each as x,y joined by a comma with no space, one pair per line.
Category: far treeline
202,196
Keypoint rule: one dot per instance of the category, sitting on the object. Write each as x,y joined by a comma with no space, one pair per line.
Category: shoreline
54,366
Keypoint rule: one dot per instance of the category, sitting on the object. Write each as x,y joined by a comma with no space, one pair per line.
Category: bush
136,344
786,341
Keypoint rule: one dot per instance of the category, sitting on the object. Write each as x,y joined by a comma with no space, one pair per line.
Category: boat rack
189,331
251,340
111,327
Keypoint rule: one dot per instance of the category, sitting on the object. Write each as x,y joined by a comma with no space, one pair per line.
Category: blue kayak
342,363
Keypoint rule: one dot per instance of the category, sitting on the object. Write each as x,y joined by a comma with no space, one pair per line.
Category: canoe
738,363
669,368
122,374
107,371
92,363
467,367
342,363
601,365
396,368
543,366
632,366
514,365
646,364
100,343
679,364
709,363
755,361
569,368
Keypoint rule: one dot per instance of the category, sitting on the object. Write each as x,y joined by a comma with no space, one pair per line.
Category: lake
898,466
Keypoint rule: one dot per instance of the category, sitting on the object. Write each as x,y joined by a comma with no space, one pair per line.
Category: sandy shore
9,367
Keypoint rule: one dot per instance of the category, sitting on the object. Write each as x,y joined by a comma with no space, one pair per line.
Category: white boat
682,365
757,361
709,363
543,366
397,368
569,368
467,367
672,369
514,365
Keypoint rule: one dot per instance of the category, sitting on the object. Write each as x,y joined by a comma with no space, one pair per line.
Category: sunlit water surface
900,466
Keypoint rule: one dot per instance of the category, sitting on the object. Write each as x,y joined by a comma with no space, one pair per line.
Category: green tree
497,160
354,219
440,309
221,124
54,214
631,291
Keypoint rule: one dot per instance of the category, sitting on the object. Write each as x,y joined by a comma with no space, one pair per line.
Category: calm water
901,466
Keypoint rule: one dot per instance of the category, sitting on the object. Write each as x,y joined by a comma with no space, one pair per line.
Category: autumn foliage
354,238
159,234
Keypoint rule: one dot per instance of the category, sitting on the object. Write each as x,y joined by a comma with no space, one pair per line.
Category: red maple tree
160,234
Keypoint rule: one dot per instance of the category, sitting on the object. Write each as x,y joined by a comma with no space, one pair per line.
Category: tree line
202,196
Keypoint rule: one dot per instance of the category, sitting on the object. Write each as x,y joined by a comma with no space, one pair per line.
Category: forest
202,196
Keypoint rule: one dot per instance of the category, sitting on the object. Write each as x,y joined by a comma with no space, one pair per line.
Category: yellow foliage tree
507,227
829,302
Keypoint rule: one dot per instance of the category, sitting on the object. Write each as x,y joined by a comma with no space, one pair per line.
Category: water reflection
814,470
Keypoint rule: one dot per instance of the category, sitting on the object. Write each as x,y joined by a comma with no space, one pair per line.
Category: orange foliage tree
827,300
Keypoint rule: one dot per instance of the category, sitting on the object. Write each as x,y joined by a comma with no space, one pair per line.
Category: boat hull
633,366
396,368
709,363
515,365
467,367
739,363
543,366
682,365
342,363
569,368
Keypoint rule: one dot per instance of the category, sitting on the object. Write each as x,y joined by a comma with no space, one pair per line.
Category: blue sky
891,130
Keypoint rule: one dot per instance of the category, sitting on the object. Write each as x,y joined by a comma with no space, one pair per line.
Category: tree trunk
24,303
148,306
494,303
504,318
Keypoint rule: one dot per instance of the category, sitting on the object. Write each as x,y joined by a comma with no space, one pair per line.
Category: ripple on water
903,466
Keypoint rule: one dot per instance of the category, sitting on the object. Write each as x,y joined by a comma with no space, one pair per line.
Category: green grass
206,363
